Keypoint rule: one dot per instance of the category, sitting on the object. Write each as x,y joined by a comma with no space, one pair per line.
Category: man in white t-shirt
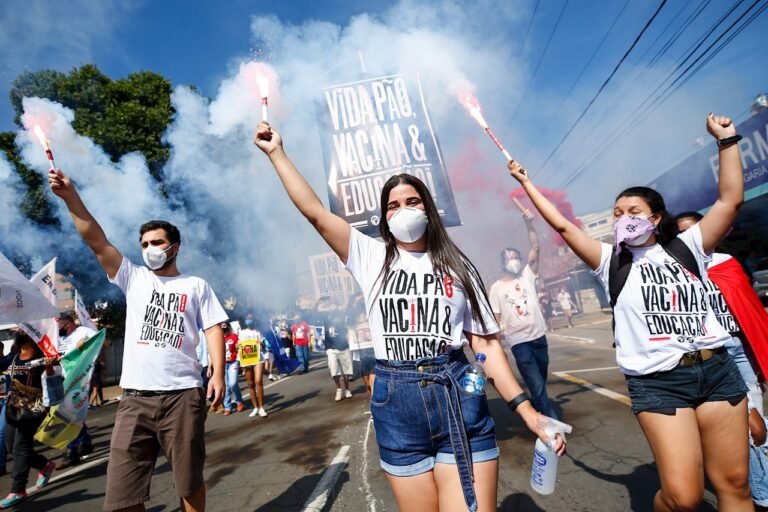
515,303
163,405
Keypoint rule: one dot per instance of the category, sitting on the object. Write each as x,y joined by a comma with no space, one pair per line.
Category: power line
584,69
527,30
631,122
605,83
616,97
541,59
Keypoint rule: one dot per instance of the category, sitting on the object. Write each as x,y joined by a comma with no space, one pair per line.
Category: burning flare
262,82
470,103
46,146
41,137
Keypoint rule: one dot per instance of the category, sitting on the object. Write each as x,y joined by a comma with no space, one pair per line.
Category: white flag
82,313
45,332
20,300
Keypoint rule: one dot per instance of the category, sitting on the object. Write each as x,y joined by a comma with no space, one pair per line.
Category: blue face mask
248,322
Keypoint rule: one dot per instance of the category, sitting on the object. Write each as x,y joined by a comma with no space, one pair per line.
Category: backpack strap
683,255
618,273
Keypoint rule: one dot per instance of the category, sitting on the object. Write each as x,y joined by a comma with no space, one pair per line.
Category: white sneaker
347,394
339,396
271,377
262,413
254,412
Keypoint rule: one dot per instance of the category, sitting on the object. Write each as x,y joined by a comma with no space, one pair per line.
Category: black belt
149,392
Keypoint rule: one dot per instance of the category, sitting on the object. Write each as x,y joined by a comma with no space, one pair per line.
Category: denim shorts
713,380
411,415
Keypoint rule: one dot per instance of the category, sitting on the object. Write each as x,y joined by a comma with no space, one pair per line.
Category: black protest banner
371,130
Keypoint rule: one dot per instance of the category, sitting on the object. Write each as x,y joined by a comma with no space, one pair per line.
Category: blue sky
201,42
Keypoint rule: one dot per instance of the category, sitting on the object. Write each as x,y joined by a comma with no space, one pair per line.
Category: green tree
121,116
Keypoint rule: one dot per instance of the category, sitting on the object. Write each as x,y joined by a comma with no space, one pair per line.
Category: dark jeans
532,361
20,441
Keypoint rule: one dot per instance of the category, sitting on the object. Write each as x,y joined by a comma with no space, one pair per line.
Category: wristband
722,143
515,402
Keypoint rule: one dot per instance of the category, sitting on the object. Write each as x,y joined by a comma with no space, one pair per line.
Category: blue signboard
692,184
371,130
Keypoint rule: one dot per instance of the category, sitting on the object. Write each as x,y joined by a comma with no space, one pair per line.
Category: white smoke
239,229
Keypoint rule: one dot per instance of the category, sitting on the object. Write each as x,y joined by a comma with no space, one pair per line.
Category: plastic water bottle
544,472
474,379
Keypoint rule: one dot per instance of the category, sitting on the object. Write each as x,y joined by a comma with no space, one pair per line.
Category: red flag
746,308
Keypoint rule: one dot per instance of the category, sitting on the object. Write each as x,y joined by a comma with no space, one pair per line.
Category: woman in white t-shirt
686,391
424,299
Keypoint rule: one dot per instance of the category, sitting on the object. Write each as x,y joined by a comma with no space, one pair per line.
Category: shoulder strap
678,250
618,273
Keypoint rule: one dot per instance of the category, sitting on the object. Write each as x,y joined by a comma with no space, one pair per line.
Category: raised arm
107,254
334,230
533,240
585,247
730,189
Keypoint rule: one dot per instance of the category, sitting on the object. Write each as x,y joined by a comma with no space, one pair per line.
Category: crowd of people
687,336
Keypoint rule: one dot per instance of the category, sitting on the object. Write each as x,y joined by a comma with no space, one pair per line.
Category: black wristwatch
724,143
515,402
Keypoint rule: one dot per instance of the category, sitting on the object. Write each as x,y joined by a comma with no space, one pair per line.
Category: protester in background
515,304
254,374
566,304
24,420
359,332
301,335
202,357
72,337
338,353
546,309
5,361
163,404
424,475
96,398
685,389
284,333
233,398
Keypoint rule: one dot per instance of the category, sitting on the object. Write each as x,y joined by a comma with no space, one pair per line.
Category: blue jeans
422,416
533,361
302,352
233,394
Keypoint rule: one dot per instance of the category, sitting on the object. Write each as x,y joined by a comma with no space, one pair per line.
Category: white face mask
408,224
154,257
513,266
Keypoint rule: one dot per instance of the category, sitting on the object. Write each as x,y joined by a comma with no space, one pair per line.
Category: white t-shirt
164,316
663,310
67,343
517,303
564,298
416,313
716,299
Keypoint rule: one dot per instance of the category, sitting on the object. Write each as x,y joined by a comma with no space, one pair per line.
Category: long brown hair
447,259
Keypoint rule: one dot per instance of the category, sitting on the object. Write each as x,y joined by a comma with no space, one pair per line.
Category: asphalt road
309,443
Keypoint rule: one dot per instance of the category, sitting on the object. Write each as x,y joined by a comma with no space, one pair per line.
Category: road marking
283,379
366,485
602,368
322,492
594,387
577,339
73,471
